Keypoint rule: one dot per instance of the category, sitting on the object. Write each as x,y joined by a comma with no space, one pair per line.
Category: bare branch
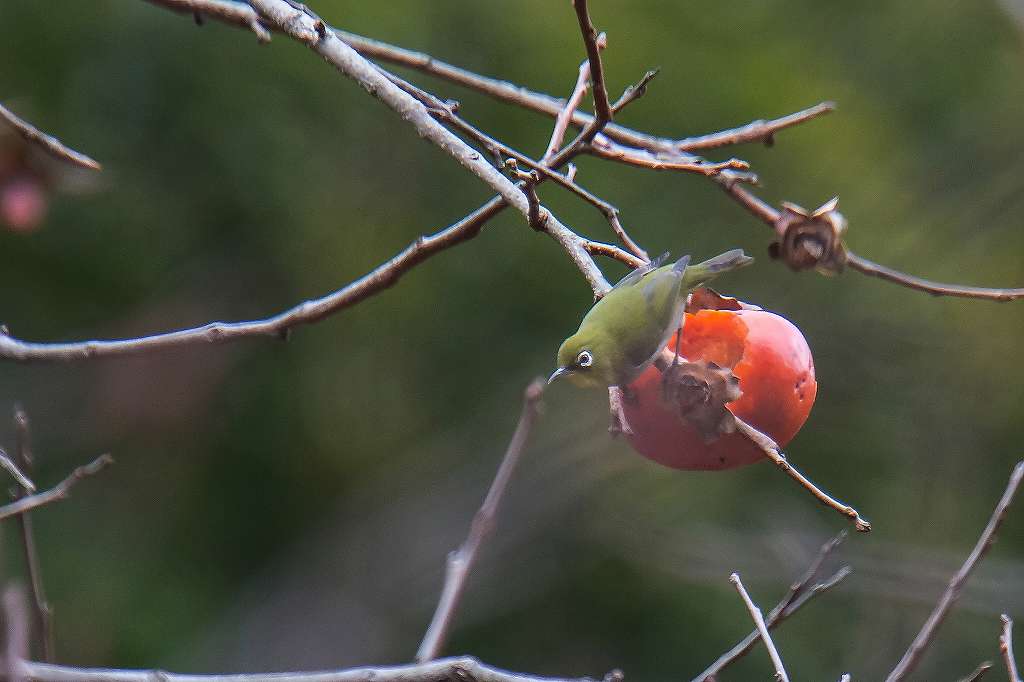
16,617
277,326
689,164
44,613
241,14
16,473
924,638
460,562
978,673
58,492
602,107
565,115
755,613
634,92
236,13
50,144
546,104
462,668
755,131
445,113
863,265
1006,648
771,449
800,592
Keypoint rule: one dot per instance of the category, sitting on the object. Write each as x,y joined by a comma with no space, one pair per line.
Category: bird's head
581,359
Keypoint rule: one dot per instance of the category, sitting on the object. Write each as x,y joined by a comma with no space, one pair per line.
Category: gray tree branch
924,638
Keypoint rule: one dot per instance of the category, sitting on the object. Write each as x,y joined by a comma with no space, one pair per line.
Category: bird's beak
560,372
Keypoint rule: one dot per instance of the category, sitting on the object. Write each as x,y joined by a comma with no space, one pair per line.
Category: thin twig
19,476
58,492
924,638
462,668
800,592
48,143
770,216
771,449
565,115
978,672
236,13
686,163
1006,648
867,267
460,562
44,612
16,618
276,326
602,107
755,613
591,40
631,94
755,131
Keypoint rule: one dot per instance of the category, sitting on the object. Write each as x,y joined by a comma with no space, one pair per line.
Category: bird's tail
701,273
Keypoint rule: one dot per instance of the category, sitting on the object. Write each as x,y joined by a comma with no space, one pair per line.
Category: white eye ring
584,359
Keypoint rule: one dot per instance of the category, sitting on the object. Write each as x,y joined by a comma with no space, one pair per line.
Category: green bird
621,335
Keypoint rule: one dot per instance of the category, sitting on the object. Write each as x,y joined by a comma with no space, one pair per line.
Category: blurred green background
289,506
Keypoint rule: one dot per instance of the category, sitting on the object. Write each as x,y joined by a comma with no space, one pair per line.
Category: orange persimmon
773,363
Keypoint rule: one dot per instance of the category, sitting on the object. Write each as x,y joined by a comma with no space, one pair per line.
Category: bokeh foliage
285,506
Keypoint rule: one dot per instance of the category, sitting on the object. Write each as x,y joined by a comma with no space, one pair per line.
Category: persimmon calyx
698,393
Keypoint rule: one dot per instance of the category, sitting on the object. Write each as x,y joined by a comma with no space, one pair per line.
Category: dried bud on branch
700,391
811,240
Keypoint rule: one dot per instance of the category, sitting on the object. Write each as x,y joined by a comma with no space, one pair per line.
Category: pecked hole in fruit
715,336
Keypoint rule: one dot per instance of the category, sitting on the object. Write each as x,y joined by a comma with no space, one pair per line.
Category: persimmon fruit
773,363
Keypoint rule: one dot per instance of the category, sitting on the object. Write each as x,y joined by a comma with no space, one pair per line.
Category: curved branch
307,312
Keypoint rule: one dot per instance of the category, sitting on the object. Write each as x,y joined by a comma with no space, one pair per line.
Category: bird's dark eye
585,359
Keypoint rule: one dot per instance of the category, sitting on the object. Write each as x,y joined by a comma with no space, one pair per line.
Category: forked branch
956,584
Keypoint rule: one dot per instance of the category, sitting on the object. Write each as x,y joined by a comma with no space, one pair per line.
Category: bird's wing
636,275
661,297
